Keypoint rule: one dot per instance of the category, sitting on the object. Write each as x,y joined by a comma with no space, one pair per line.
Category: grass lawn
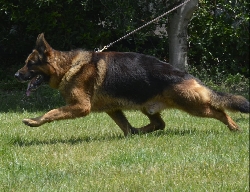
91,154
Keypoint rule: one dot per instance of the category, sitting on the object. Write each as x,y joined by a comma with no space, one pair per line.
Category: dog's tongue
28,93
28,89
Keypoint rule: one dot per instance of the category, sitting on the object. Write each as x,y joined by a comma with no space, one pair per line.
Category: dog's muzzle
18,76
23,77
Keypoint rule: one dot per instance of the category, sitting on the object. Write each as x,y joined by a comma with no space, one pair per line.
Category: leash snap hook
96,50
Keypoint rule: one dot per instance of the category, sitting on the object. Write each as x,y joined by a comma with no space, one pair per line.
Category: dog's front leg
122,122
66,112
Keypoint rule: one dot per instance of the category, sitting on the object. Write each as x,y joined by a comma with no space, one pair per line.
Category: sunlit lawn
91,154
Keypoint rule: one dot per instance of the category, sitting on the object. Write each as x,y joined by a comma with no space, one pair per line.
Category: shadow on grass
184,132
18,141
21,142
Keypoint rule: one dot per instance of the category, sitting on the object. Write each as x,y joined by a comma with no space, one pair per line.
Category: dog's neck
60,62
66,64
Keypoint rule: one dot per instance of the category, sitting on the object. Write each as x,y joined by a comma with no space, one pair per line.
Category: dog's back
137,77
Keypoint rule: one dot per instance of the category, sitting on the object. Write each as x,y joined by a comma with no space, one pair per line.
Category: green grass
91,154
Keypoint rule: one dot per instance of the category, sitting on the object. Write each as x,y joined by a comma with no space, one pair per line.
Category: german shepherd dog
114,81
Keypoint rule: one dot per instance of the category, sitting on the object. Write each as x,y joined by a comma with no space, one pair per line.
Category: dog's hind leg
223,117
220,115
197,100
156,123
206,110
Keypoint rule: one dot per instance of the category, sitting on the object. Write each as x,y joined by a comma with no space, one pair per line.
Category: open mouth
34,83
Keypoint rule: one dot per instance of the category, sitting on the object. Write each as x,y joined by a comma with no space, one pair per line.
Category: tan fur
193,91
77,63
101,72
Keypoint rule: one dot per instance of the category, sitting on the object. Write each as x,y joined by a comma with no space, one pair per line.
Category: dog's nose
17,74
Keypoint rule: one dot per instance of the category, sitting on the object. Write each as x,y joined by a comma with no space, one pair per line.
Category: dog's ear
42,45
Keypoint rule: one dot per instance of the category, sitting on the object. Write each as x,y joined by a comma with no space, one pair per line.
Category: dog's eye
30,64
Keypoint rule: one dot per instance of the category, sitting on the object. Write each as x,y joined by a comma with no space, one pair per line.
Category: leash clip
96,50
101,50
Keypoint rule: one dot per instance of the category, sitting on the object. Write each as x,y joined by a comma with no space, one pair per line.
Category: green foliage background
219,36
218,32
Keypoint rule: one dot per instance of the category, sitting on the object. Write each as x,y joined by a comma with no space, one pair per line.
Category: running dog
114,81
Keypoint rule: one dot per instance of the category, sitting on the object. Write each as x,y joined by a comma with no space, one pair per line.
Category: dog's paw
31,122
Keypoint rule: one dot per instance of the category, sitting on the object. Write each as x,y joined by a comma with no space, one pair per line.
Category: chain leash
134,31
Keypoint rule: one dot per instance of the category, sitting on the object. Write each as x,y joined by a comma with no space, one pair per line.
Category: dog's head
36,69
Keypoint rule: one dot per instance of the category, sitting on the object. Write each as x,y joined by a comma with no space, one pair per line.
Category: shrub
219,37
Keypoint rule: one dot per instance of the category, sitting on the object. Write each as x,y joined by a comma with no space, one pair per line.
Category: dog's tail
229,102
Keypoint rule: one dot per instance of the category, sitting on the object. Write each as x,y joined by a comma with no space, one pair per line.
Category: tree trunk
177,34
